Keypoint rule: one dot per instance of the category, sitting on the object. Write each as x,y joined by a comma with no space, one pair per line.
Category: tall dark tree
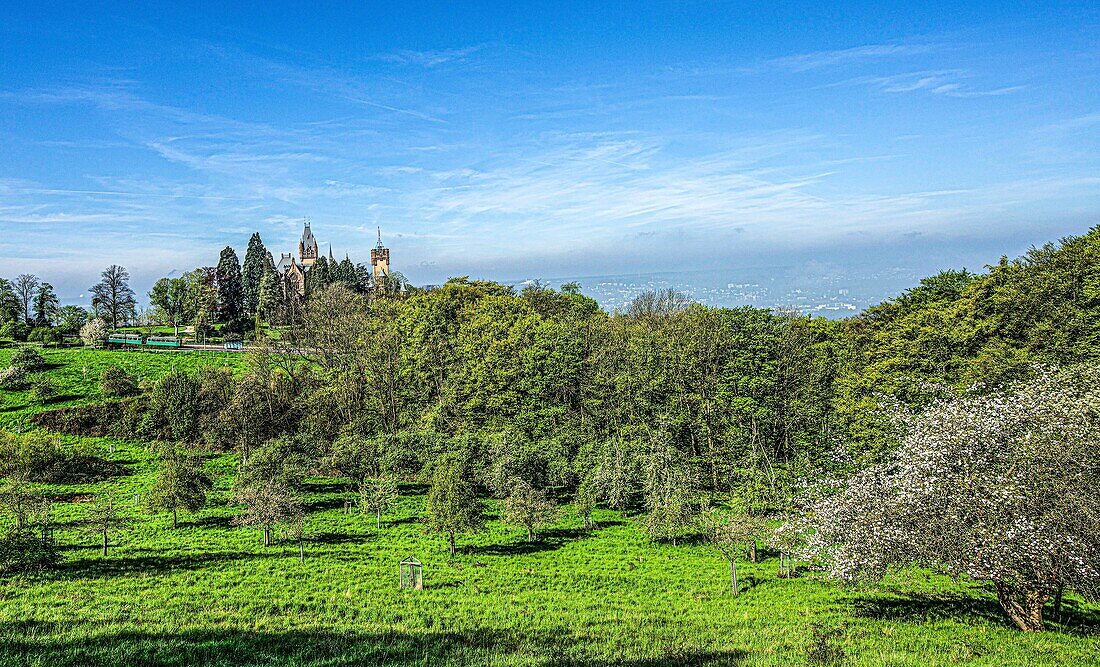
230,287
318,277
252,271
112,297
26,286
9,301
46,305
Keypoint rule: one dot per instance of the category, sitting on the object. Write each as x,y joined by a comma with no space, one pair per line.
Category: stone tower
307,247
380,260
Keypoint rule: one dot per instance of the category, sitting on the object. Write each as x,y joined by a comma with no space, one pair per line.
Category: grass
210,593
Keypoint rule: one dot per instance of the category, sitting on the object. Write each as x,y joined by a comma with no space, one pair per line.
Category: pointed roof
307,236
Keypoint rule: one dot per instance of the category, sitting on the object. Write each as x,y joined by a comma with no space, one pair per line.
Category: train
137,341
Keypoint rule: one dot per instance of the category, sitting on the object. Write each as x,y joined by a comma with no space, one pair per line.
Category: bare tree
26,286
112,296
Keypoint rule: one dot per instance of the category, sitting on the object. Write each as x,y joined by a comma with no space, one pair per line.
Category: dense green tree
256,258
70,319
229,286
46,305
172,301
9,301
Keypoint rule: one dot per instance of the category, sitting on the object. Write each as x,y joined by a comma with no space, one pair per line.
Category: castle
293,271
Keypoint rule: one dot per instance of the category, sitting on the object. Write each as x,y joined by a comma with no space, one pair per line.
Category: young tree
105,516
267,506
46,305
586,499
529,507
267,485
730,533
252,272
230,289
112,296
671,494
377,495
998,487
16,501
453,505
26,286
182,483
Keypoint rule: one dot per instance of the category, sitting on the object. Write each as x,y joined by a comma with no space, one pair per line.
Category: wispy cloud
430,58
804,62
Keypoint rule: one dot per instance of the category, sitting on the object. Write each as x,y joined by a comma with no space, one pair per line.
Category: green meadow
209,592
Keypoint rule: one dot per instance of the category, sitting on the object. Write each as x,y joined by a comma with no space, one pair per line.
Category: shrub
14,330
28,359
119,419
114,381
45,335
39,457
13,379
94,333
43,390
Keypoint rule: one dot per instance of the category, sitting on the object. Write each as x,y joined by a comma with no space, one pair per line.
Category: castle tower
307,247
380,260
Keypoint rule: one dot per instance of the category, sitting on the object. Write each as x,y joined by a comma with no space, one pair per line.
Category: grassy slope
209,593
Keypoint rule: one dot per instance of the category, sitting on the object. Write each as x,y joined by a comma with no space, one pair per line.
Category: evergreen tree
252,272
9,301
318,277
230,294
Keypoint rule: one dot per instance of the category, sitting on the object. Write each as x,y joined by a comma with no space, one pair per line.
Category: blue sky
512,139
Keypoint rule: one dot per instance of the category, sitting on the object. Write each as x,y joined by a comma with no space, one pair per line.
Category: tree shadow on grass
327,487
546,540
23,642
123,564
920,608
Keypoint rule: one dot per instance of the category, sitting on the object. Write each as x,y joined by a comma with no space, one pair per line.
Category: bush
39,457
28,358
13,379
118,419
45,335
43,390
14,330
115,381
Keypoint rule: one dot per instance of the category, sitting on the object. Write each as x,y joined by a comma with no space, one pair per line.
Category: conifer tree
252,272
230,294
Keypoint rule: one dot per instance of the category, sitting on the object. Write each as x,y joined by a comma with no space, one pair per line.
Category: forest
972,396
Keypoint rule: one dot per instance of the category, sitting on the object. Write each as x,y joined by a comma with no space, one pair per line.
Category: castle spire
380,237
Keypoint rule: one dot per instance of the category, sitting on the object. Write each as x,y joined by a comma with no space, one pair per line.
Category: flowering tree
94,333
1000,488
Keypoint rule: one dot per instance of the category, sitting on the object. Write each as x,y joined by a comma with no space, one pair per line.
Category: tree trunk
530,534
733,577
1024,607
378,519
752,551
302,551
1058,603
267,536
104,541
174,522
451,534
